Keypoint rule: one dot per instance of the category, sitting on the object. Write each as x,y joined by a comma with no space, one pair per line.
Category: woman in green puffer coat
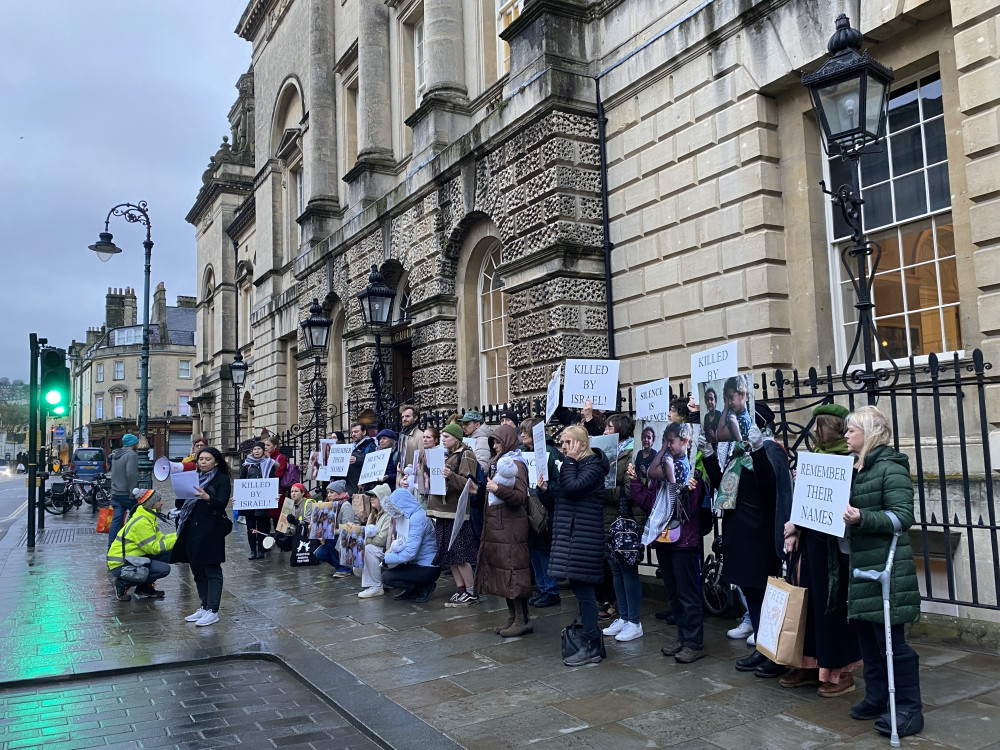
882,483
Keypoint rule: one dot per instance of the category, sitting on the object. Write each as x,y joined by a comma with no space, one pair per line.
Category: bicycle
74,492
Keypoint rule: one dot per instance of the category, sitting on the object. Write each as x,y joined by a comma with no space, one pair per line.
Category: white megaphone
164,467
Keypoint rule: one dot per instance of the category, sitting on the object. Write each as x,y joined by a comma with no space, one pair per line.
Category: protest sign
471,442
541,454
822,491
530,460
552,394
287,509
595,379
375,465
461,512
435,464
184,484
608,445
339,459
653,401
717,363
255,494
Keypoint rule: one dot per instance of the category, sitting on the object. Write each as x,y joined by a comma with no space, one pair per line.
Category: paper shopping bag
782,630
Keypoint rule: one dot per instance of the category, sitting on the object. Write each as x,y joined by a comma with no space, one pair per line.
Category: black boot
589,653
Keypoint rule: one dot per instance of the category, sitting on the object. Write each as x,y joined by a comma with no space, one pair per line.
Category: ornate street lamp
316,329
105,248
238,374
850,97
376,307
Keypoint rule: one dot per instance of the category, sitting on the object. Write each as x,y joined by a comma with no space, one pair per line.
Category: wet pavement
294,643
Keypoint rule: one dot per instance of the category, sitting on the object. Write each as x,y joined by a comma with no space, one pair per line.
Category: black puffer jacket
578,526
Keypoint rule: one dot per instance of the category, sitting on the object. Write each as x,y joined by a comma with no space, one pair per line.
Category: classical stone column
374,117
444,48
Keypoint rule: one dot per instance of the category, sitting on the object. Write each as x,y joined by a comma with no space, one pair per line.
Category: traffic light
54,380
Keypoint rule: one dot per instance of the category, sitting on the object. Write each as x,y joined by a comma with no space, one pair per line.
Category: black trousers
905,664
587,599
755,600
409,576
681,575
257,528
208,580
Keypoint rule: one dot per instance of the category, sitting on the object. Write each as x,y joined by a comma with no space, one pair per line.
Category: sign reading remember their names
435,464
608,445
595,379
340,459
375,465
255,494
713,364
654,401
822,491
552,394
541,454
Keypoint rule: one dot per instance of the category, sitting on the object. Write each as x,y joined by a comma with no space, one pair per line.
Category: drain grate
63,535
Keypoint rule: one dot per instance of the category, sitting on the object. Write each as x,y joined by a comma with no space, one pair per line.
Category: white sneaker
752,641
371,592
209,618
615,628
741,631
630,632
195,616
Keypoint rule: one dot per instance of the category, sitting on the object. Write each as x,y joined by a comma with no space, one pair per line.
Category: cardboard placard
287,509
435,464
653,401
595,379
461,513
375,466
255,494
822,491
540,453
552,394
608,445
716,363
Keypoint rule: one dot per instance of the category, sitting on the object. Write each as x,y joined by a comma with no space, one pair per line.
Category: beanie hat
386,434
338,486
834,410
200,440
302,488
454,430
146,498
129,440
260,444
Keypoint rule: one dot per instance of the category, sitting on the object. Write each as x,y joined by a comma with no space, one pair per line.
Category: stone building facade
455,145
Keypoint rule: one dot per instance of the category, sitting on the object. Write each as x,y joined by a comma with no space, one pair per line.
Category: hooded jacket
882,484
482,437
420,546
578,526
124,471
142,538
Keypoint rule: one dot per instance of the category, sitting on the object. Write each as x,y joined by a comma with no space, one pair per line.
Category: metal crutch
883,579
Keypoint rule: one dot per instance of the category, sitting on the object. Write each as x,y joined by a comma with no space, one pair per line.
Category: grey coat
124,471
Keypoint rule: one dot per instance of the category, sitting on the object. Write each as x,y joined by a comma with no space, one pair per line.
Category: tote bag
782,630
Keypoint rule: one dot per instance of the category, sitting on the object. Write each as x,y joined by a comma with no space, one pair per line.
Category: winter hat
199,441
454,430
302,488
834,410
129,440
339,486
146,498
386,434
260,444
473,415
511,415
381,491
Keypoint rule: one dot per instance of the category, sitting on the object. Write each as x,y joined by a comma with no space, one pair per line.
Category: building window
119,370
493,332
184,368
507,12
100,373
99,407
298,193
907,211
350,120
119,407
183,408
419,75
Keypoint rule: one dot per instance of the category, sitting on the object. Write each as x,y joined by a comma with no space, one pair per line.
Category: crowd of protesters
490,547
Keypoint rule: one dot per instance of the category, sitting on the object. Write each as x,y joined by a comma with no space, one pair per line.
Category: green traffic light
59,410
53,397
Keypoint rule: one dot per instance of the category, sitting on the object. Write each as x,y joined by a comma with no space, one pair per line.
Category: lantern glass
316,327
876,107
376,301
238,370
840,104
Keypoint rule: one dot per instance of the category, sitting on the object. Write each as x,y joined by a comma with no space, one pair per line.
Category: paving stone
778,731
944,685
967,724
685,721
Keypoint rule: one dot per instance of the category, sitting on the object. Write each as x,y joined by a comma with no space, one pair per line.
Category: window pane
892,335
918,243
907,153
952,328
848,298
930,93
878,206
921,287
934,141
948,274
903,110
840,173
889,241
911,196
887,293
945,240
925,332
874,167
937,179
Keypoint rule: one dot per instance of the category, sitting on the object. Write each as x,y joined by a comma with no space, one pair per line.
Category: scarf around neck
838,447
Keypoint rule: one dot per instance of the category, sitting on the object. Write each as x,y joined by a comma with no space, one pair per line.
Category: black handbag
573,640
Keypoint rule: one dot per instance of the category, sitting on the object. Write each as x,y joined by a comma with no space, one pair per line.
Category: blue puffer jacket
420,543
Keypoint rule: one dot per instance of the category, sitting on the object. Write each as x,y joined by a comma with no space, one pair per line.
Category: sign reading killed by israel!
594,379
822,491
255,494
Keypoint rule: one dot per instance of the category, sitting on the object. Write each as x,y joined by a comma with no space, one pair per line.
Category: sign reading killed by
822,491
717,363
255,494
593,379
653,401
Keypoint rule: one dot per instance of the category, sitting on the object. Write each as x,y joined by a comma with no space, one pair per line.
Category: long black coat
749,548
578,526
202,540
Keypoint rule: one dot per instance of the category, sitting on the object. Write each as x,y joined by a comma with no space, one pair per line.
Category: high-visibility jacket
142,538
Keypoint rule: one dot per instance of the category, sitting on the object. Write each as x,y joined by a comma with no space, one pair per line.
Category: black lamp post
850,96
376,307
238,374
105,248
317,332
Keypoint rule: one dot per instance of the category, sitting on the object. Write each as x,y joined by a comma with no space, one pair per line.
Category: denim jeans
905,665
327,552
628,590
587,600
681,574
121,504
540,566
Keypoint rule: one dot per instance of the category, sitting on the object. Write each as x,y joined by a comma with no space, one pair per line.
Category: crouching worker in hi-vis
141,537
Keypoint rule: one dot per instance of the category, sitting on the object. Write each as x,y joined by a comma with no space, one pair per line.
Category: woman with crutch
878,515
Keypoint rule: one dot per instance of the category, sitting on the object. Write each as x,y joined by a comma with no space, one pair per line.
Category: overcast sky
103,102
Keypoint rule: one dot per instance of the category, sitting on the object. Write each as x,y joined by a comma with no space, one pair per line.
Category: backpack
292,475
480,481
624,538
538,517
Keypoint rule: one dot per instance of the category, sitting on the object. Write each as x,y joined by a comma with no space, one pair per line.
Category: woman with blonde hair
882,486
578,534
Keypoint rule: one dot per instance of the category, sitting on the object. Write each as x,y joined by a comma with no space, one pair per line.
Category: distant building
105,374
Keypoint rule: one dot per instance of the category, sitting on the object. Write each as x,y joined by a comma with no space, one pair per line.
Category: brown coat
504,568
462,464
